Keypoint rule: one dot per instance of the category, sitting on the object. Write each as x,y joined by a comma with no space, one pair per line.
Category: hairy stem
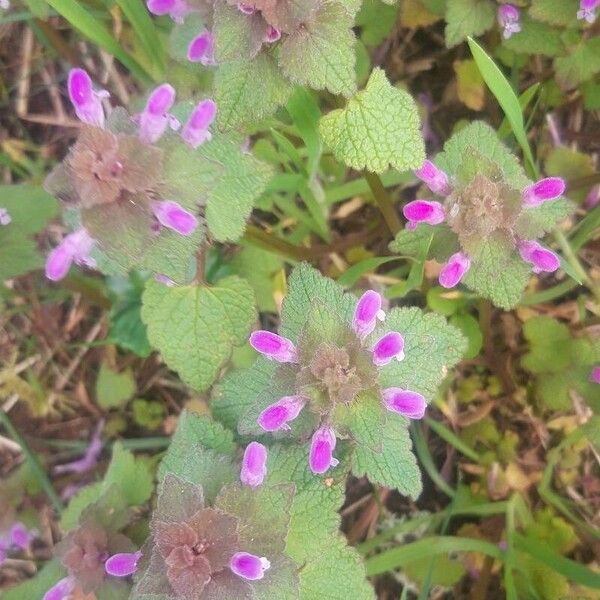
384,202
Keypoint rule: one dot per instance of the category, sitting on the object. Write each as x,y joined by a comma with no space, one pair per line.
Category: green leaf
431,348
78,503
131,475
52,572
376,21
497,270
29,208
248,91
505,95
581,65
535,38
467,17
469,326
379,127
395,466
435,242
201,452
481,137
554,12
570,164
237,35
321,53
363,421
534,223
114,389
195,327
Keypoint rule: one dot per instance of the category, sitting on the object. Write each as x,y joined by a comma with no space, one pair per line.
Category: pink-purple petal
388,348
409,404
122,564
86,102
20,536
176,9
544,190
367,311
249,566
454,270
424,211
60,590
322,445
202,49
542,259
278,415
59,262
254,464
595,375
172,215
273,35
155,118
509,19
195,132
273,346
435,179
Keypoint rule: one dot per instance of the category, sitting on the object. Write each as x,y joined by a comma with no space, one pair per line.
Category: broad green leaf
131,475
554,12
439,242
201,452
581,65
535,38
415,13
363,421
195,327
29,208
248,91
114,389
497,271
379,127
534,223
395,466
468,17
237,35
78,503
375,20
431,348
469,326
505,95
321,53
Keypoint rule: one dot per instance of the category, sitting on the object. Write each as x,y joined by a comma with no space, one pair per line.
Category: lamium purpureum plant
484,226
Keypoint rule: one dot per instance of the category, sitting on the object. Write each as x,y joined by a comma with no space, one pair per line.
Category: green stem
34,463
257,237
550,294
384,202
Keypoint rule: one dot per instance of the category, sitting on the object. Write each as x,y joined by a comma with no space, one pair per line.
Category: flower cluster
478,209
199,551
328,376
114,170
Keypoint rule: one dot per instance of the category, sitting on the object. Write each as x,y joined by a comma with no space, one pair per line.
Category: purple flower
202,49
273,346
89,459
550,188
435,179
60,590
176,9
20,536
542,259
278,415
249,566
155,118
587,10
87,103
409,404
423,211
367,311
5,217
122,564
388,348
454,270
247,9
3,555
321,450
172,215
508,19
595,375
75,248
273,35
254,465
195,132
4,4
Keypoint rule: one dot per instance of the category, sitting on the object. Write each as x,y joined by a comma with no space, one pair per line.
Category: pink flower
249,566
508,18
202,49
550,188
454,270
60,590
195,132
5,218
435,179
75,248
388,348
278,415
247,9
176,9
321,450
273,346
273,35
172,215
87,102
587,10
542,259
368,311
254,465
155,118
89,459
409,404
595,375
423,211
122,564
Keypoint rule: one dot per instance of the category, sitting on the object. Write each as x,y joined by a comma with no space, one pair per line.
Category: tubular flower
435,179
155,118
176,9
423,211
170,214
588,10
202,49
331,374
544,190
454,270
254,465
509,19
195,132
595,375
542,259
87,102
122,564
75,248
5,218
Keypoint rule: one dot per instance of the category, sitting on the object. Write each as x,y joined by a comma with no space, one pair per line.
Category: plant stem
258,237
34,463
384,202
